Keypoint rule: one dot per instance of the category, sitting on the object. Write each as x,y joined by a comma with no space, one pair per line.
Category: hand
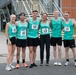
9,42
74,36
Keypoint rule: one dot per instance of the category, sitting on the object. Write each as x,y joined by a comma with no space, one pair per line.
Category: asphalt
40,70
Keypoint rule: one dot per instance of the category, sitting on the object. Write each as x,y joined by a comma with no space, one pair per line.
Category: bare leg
23,53
18,53
12,53
34,53
31,54
74,53
54,52
67,53
9,54
59,52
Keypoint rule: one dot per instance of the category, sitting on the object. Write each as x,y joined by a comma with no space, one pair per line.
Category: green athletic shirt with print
22,30
33,28
56,27
44,28
68,30
11,30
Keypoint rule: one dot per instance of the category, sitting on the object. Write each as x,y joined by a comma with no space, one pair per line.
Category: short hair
34,11
12,15
22,13
67,12
44,13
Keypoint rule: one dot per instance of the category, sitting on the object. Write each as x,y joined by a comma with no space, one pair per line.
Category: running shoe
55,63
31,66
17,66
47,64
75,63
66,64
34,65
41,64
59,64
13,67
25,65
8,68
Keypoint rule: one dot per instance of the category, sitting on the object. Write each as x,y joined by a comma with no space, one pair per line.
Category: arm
6,32
50,24
74,22
16,23
27,20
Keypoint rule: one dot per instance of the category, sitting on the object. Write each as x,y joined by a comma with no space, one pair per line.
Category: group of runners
35,31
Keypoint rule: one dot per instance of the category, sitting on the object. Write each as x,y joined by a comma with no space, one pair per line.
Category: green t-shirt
68,30
44,28
11,30
56,27
33,28
22,30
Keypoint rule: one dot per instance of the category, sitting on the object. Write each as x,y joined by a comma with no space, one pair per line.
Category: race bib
45,30
34,26
23,33
67,29
14,30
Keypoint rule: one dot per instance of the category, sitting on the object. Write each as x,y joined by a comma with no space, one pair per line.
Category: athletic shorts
56,41
21,43
13,40
32,41
69,43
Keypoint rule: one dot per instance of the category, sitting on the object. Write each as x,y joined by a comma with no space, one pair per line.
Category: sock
17,61
23,60
67,60
75,60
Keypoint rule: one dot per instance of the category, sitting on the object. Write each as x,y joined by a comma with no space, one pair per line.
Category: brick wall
69,5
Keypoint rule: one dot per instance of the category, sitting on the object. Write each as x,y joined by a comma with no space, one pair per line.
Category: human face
34,14
66,16
56,13
44,17
12,19
22,17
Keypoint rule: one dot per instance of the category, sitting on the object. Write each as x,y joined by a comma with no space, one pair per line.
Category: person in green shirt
21,39
56,37
32,37
10,32
44,27
69,41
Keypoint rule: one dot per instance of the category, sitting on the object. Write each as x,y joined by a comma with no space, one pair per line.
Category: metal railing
15,5
25,8
46,5
42,7
4,15
58,8
19,6
50,6
8,11
28,4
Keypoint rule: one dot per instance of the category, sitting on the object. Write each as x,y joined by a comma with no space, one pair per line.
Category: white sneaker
8,68
59,64
75,64
67,63
13,67
55,64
